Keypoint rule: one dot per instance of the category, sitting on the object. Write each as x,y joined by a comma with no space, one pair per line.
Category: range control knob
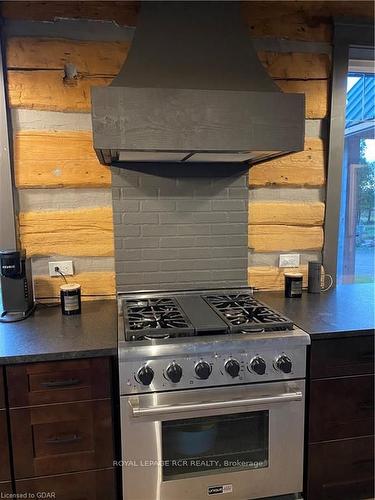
145,375
258,365
174,372
202,370
284,364
232,367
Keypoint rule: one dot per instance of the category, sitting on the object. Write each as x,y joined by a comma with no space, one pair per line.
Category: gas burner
244,313
150,318
152,304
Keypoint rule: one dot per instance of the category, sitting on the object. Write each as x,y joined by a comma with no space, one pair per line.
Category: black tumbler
314,277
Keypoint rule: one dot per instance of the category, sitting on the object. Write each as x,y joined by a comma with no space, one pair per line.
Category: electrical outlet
65,266
289,260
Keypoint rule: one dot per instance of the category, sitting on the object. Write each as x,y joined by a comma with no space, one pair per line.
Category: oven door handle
215,405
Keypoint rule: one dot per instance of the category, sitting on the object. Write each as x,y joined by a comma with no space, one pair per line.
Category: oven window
225,443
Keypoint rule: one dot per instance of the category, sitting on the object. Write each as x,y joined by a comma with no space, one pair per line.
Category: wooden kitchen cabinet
2,390
6,489
342,469
341,408
58,382
340,357
89,485
61,427
340,448
4,448
54,439
4,442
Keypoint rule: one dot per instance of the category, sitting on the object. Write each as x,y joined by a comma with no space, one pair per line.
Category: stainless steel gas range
212,396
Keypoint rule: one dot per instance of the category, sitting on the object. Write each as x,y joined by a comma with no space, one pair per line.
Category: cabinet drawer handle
363,462
367,356
64,440
366,405
61,383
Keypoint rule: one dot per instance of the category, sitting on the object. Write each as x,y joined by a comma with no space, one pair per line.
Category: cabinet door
6,489
58,382
341,408
4,447
62,438
341,470
342,357
2,390
90,485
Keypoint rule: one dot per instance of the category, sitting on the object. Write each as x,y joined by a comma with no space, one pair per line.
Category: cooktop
187,314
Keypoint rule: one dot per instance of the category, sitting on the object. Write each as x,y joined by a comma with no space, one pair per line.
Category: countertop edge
340,334
58,356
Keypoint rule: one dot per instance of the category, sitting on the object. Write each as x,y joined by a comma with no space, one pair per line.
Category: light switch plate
65,266
289,260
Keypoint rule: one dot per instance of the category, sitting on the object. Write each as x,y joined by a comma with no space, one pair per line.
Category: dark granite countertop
48,335
346,310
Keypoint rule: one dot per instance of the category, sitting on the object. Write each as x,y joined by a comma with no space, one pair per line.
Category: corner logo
220,490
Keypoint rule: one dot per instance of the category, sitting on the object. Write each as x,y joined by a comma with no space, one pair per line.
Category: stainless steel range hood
193,90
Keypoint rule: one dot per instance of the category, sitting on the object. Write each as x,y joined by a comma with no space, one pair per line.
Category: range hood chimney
193,90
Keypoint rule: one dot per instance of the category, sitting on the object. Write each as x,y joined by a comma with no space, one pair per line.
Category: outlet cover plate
65,266
289,260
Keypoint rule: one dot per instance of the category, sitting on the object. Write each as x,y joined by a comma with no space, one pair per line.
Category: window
349,250
355,263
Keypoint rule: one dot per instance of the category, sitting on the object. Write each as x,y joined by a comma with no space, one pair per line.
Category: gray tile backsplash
180,226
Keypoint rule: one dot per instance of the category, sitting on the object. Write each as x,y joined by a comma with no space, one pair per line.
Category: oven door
241,442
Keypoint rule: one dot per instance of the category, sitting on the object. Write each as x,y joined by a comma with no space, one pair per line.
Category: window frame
348,35
8,235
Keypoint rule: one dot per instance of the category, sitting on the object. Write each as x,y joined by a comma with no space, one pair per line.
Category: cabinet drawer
341,470
342,357
61,438
341,408
90,485
4,447
6,489
2,390
58,382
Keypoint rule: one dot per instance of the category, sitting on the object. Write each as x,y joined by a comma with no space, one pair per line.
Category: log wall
49,79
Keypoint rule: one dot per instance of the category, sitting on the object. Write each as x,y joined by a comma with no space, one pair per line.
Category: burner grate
155,318
242,312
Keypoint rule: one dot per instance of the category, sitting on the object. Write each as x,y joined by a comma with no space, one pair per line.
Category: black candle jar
70,296
293,284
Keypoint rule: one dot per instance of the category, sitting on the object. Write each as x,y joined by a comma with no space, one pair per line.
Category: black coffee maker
16,286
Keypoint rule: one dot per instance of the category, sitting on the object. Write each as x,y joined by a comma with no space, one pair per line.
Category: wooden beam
275,238
302,66
57,159
93,58
90,58
290,214
306,168
288,20
272,278
92,284
309,20
316,95
36,76
82,232
123,12
49,90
